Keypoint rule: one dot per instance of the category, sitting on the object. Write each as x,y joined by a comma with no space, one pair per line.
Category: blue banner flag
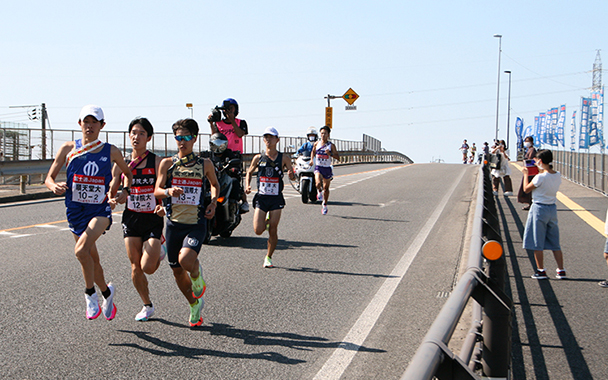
543,128
553,127
519,126
573,132
537,131
561,121
583,136
527,132
594,137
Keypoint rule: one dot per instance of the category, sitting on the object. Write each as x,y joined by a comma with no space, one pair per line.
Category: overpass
353,295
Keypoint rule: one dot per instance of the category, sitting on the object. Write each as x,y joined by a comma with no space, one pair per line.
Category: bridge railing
587,169
487,345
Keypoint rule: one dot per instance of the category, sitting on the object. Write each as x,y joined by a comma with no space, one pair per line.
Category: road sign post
350,96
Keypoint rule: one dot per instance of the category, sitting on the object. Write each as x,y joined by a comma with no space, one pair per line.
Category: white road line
342,356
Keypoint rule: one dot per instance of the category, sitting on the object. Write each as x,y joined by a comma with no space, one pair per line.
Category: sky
426,72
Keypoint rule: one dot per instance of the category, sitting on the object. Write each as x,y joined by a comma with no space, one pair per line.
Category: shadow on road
248,337
319,271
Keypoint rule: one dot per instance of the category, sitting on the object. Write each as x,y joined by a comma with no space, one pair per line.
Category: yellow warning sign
350,96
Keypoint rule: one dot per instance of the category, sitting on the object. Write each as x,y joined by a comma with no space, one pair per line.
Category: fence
487,346
31,144
587,169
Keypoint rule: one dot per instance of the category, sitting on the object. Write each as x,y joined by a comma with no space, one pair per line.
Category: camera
216,114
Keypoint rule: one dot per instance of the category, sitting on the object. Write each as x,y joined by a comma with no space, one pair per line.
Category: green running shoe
198,284
195,313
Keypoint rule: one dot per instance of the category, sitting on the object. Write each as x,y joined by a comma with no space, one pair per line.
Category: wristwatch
126,188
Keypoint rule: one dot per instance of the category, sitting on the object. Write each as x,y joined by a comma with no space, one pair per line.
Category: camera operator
234,129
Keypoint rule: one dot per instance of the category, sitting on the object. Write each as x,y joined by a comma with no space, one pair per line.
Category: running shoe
195,313
267,221
93,309
540,275
603,284
146,313
320,196
108,307
268,262
198,284
245,208
508,193
560,274
324,210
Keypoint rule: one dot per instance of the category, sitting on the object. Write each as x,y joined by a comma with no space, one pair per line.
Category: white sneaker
244,208
146,313
268,262
108,307
163,252
508,193
93,309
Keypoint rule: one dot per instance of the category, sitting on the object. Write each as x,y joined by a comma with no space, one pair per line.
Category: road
353,294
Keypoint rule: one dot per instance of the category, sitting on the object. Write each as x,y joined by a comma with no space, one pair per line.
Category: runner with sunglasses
180,184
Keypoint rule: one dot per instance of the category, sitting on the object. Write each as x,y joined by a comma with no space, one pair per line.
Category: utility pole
43,118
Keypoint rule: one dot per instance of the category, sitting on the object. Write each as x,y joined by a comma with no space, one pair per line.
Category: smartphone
532,168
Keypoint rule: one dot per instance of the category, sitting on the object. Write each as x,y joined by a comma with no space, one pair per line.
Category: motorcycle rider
218,145
312,137
232,128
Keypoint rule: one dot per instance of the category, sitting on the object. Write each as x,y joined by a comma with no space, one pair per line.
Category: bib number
141,199
269,186
192,191
88,189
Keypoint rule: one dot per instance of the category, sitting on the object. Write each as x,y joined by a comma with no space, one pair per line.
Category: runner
142,219
324,151
180,181
88,173
268,202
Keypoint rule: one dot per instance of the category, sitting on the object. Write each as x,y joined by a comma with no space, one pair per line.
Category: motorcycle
227,213
304,170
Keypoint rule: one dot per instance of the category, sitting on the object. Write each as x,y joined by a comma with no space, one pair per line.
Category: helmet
218,143
230,101
312,131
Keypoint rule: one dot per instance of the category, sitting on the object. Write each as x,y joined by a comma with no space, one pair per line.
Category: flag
519,126
553,129
593,132
573,132
583,137
537,131
560,125
543,128
527,131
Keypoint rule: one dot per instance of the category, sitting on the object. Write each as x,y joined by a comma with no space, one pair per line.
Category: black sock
107,293
90,292
148,304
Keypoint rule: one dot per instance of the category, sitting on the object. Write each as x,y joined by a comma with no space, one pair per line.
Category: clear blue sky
426,72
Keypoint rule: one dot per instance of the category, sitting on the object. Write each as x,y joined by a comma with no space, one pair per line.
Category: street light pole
508,106
499,36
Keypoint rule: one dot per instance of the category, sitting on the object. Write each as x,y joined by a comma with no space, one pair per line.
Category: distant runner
324,150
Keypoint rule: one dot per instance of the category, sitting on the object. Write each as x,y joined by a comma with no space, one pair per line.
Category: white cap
91,110
271,131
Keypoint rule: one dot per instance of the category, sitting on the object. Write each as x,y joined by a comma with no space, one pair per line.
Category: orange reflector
220,200
492,250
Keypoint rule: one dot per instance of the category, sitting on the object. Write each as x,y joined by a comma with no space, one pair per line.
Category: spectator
522,196
504,171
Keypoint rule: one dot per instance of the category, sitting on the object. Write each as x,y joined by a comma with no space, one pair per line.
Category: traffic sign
350,96
328,116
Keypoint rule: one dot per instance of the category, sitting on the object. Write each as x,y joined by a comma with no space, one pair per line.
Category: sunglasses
184,138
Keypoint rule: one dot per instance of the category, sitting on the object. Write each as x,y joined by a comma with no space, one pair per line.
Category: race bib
88,189
141,199
192,191
269,186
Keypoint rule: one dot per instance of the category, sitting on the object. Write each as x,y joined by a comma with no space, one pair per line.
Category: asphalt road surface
352,295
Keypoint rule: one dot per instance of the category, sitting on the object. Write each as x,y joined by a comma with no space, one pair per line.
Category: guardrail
488,343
